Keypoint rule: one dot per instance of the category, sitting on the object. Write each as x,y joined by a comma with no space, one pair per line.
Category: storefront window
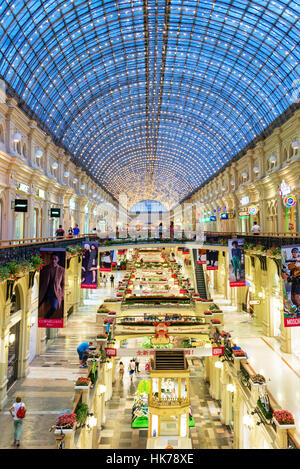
20,220
13,354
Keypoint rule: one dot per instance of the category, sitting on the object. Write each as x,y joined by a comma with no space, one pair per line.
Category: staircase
199,275
169,360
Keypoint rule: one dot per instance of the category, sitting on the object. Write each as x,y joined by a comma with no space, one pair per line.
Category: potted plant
65,423
283,419
81,412
82,383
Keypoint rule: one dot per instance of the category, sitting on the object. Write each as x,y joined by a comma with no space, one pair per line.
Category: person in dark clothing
60,232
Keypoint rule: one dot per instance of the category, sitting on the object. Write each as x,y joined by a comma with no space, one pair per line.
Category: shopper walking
18,412
137,364
131,369
104,281
255,228
160,230
112,281
172,230
70,232
121,370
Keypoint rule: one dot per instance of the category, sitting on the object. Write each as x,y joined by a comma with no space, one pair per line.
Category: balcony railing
169,402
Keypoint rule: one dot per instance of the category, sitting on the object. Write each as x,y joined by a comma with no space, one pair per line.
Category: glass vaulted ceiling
152,97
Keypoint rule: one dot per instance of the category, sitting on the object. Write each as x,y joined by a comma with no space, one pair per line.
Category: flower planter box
83,387
283,427
65,431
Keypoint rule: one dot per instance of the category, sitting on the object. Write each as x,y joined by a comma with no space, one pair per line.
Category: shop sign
23,187
254,302
110,351
213,218
244,200
284,189
216,351
224,216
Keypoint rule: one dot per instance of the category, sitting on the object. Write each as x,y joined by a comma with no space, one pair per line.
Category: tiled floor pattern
207,433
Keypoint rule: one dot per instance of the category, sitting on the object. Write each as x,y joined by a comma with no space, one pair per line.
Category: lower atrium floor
48,389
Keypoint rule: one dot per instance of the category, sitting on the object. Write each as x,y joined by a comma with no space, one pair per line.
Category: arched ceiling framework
152,97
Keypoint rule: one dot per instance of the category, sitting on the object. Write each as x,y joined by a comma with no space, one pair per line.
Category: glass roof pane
152,97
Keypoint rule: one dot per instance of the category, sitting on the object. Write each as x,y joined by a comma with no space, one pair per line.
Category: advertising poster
201,256
52,288
89,265
212,260
291,284
236,262
105,262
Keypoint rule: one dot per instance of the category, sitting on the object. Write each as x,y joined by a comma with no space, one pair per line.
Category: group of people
133,367
104,279
60,232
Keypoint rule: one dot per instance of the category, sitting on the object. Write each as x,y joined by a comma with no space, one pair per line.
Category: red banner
216,351
105,269
182,291
110,352
291,322
50,322
92,286
237,284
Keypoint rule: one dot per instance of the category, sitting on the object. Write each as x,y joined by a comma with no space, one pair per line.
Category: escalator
200,286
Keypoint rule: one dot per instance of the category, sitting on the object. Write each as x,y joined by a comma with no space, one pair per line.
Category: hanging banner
212,262
105,262
110,351
52,288
201,256
290,274
236,262
89,265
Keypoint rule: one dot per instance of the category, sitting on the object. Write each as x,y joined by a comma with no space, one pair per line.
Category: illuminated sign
244,200
213,218
21,205
224,216
253,209
23,187
289,201
40,193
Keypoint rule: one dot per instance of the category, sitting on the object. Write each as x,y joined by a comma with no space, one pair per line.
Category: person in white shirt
18,418
255,228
